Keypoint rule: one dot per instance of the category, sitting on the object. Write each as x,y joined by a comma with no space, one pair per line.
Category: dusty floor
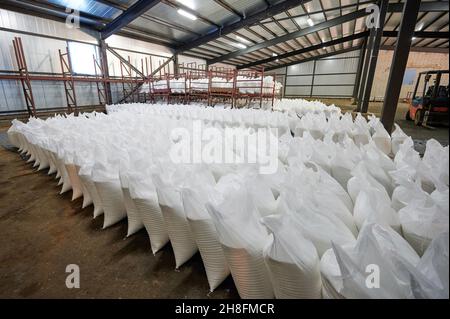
42,232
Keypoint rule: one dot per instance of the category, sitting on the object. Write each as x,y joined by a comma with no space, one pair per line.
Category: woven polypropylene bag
204,231
286,278
249,273
43,159
216,266
328,291
87,199
74,181
52,166
55,161
134,220
292,260
92,190
419,243
66,186
112,201
151,216
181,237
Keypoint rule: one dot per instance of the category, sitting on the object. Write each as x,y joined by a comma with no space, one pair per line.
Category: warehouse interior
61,59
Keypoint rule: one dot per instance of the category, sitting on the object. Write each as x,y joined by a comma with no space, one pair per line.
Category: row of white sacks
324,125
334,207
302,107
244,84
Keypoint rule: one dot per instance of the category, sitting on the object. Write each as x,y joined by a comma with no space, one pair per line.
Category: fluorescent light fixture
188,3
242,39
310,22
187,14
239,45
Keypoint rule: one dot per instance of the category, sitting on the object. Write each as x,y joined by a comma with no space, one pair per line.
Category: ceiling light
274,54
310,22
187,14
277,60
239,45
242,39
414,38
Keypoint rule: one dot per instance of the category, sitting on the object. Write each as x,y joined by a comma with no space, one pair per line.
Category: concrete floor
42,232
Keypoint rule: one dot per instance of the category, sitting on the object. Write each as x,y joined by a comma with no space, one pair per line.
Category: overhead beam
127,16
246,21
293,35
399,61
317,57
418,49
392,34
306,49
383,4
362,57
365,71
435,6
420,34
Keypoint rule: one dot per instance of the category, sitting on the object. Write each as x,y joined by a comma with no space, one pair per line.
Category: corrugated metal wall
333,76
42,57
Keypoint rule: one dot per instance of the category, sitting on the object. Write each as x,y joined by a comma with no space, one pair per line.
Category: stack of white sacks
302,107
245,85
351,212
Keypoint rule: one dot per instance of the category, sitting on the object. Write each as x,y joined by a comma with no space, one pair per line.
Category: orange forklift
429,104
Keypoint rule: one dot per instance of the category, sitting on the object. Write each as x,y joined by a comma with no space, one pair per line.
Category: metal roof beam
435,6
293,35
246,21
322,56
420,34
418,49
307,49
127,16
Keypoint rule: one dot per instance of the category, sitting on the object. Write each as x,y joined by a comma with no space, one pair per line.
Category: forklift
430,106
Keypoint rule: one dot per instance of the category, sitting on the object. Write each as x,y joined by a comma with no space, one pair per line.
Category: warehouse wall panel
335,79
334,76
302,68
299,80
27,23
332,91
297,91
342,65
